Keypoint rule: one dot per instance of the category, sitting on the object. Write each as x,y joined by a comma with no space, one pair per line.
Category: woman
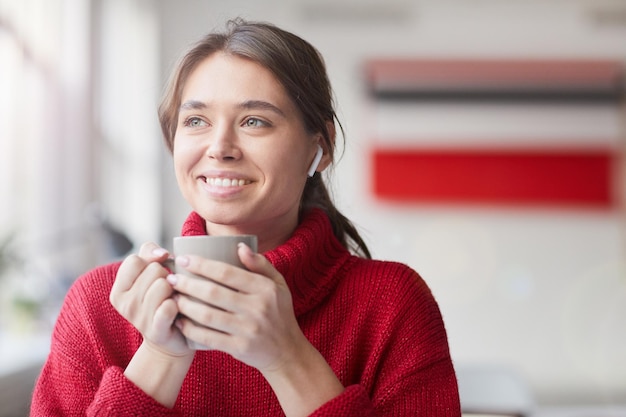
312,326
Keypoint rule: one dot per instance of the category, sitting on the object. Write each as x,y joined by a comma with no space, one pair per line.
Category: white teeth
226,182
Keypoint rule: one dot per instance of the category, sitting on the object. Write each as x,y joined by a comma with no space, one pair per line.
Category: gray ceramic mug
219,248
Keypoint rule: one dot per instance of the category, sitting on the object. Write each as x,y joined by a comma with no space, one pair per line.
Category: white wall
126,92
540,290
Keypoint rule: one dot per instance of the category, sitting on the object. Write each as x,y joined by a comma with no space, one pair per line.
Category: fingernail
172,279
182,261
159,252
245,247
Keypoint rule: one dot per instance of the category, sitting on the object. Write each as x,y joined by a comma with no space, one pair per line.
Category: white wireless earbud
316,161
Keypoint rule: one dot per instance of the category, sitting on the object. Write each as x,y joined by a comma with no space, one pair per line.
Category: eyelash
188,121
262,123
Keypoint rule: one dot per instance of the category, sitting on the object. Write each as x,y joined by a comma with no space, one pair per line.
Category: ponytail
316,196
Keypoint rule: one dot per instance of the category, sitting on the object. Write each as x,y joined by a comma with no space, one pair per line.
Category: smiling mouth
226,182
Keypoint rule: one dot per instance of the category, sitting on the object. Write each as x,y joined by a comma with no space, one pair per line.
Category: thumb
257,263
151,252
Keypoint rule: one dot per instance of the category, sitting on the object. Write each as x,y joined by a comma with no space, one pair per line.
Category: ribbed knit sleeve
81,376
354,402
389,346
117,396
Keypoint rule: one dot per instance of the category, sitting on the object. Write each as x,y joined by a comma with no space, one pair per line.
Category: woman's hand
245,313
143,296
249,315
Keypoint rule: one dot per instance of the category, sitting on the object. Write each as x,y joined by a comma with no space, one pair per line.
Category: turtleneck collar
309,260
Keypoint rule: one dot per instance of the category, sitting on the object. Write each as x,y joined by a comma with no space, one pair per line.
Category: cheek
288,161
289,177
184,155
183,160
178,159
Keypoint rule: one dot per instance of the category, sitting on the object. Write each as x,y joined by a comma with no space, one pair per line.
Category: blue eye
194,122
254,122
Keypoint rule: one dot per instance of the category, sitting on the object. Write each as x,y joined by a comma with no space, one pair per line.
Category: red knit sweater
376,323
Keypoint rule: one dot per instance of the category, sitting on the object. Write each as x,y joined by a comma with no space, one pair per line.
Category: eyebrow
193,105
248,104
262,105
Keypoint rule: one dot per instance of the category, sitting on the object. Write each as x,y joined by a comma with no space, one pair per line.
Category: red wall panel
516,176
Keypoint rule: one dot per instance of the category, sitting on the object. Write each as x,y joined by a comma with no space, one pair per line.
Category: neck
270,234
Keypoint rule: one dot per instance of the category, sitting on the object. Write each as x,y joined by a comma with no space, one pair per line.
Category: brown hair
300,68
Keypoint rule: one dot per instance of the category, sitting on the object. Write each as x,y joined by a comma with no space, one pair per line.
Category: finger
157,292
132,266
151,252
224,274
137,278
256,262
165,315
161,329
207,291
211,338
129,301
152,272
127,273
206,315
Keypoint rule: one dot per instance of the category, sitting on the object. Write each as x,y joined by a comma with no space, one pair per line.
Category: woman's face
241,152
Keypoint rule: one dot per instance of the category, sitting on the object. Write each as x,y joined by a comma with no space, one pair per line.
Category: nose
224,145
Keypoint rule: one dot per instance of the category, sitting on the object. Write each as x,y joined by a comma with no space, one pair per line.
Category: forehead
225,77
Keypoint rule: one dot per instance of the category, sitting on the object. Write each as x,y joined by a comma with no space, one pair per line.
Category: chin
224,216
